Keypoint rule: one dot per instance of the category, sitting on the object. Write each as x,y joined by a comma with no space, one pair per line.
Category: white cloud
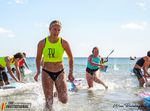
134,26
41,25
16,1
6,33
20,1
2,30
11,35
141,5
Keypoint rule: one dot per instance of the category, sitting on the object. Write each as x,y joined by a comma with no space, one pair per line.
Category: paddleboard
27,71
146,98
75,85
15,88
144,94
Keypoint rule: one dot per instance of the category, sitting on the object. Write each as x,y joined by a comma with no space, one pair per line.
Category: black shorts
138,73
3,75
91,71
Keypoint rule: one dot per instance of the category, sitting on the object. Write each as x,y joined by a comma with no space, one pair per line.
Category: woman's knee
63,98
1,83
96,79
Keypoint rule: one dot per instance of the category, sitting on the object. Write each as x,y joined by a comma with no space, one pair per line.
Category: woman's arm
67,48
38,58
7,59
145,67
26,63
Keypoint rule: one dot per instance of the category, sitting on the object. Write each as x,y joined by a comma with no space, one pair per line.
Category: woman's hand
101,66
21,82
17,80
36,77
70,77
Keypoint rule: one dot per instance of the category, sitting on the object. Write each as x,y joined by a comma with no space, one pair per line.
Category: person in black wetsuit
142,63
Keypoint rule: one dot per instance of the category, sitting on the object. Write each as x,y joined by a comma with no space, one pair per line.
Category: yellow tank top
3,62
53,52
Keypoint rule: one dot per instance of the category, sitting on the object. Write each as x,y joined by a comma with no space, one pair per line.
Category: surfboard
27,71
146,98
144,94
75,85
15,88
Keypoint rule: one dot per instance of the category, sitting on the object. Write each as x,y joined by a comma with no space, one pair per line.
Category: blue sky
122,25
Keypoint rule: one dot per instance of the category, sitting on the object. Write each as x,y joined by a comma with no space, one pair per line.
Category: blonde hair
54,22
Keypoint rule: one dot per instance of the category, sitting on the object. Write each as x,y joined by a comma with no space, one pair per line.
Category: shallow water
120,96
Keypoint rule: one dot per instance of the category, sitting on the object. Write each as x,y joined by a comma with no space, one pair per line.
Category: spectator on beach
52,48
142,64
93,65
6,62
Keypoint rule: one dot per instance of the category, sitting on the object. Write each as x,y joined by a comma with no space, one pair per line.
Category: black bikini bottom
91,71
53,75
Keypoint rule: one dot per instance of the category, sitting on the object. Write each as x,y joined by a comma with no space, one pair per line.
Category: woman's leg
1,79
61,88
47,84
139,76
1,83
97,80
141,81
5,77
89,79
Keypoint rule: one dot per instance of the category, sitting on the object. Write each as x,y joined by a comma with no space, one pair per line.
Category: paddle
106,60
109,54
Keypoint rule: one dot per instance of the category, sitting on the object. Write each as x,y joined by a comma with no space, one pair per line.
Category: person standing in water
93,65
142,63
52,48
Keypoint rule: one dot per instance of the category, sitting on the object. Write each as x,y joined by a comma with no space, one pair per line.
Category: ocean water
122,93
